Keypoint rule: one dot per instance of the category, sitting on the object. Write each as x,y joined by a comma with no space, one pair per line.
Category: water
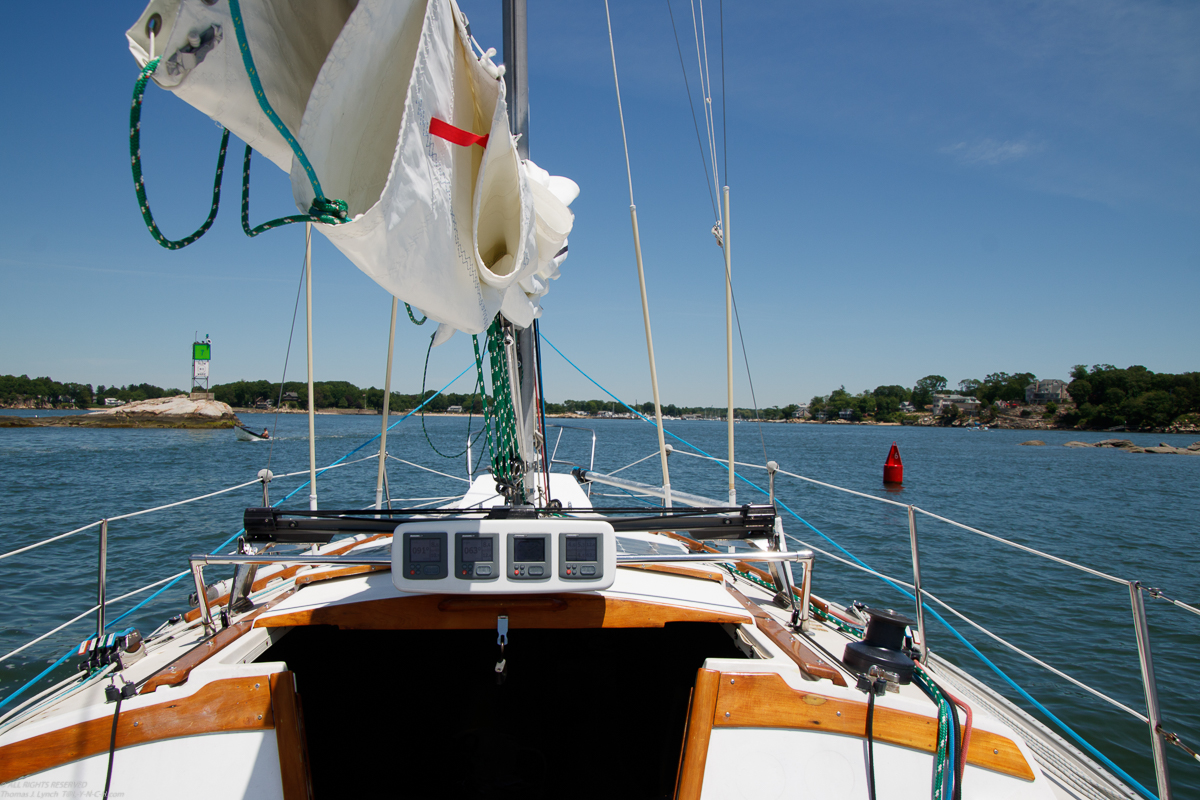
1131,515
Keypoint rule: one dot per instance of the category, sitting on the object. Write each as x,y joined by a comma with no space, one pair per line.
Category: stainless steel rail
199,561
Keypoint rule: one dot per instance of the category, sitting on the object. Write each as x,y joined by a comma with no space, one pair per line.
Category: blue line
226,543
43,674
1104,759
47,671
367,442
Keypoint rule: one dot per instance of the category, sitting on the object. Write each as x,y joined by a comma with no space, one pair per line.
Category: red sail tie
454,135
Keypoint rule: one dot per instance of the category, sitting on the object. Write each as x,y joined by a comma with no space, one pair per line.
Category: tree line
47,392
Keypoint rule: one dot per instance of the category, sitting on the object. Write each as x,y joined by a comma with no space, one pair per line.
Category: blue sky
926,187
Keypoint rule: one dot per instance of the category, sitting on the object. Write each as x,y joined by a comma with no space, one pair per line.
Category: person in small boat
266,434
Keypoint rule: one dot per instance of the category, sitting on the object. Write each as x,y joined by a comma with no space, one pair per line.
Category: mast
728,340
387,396
312,420
524,367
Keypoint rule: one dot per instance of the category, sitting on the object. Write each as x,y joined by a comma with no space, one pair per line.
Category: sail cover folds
401,119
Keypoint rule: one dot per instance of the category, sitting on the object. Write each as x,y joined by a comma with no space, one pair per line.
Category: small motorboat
244,434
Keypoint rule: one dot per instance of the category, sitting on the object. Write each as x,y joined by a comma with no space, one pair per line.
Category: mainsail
399,117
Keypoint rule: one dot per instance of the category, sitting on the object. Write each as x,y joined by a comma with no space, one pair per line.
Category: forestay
399,117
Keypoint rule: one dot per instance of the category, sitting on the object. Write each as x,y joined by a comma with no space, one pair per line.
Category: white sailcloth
459,230
202,65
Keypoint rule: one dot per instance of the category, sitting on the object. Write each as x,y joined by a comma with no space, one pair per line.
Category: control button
536,571
412,571
483,571
516,571
430,569
587,570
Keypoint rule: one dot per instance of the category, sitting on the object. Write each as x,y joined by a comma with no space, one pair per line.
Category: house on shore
1051,390
967,405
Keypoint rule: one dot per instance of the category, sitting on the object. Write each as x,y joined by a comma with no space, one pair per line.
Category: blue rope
43,674
228,541
1086,745
48,670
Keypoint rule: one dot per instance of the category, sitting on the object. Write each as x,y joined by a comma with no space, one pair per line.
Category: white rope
91,610
1034,659
940,518
995,538
627,466
51,539
173,505
706,99
427,469
620,112
128,516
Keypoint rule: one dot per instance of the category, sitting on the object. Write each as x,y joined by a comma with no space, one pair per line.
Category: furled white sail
393,120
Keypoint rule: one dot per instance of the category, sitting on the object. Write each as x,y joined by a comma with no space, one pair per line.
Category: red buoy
893,468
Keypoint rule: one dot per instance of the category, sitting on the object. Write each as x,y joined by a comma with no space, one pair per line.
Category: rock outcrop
1129,447
164,412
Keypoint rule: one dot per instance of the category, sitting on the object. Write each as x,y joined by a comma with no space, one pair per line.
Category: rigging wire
287,357
724,128
692,107
706,97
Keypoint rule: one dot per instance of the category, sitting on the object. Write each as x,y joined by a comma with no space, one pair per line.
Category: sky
917,188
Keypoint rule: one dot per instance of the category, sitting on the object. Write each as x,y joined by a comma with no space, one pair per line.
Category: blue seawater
1130,515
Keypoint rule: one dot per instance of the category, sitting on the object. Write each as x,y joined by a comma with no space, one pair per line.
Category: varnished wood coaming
699,731
764,700
457,612
178,670
237,704
806,657
294,771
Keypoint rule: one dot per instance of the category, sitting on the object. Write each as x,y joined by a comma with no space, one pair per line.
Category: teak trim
178,670
806,658
675,569
764,700
294,770
548,611
236,704
699,730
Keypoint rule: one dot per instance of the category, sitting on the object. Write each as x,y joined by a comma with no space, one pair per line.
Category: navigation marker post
201,355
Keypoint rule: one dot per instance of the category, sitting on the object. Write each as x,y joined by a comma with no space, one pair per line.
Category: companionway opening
582,713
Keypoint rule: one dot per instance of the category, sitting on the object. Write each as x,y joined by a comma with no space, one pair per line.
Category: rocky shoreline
1127,446
180,411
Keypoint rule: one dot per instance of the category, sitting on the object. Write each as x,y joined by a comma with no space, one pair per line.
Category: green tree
926,388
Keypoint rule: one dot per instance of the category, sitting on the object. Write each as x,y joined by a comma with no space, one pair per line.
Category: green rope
942,762
239,28
505,451
139,182
470,414
425,319
331,212
487,416
328,212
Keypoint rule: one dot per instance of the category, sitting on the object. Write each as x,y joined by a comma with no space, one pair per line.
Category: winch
882,646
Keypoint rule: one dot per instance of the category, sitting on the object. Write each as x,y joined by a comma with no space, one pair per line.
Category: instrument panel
509,556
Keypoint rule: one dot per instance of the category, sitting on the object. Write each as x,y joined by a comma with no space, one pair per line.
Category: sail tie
444,130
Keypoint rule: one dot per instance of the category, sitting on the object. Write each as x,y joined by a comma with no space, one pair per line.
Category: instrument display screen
531,549
479,549
424,550
581,548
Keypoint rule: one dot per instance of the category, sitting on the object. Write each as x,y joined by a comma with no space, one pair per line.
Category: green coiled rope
322,209
139,182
